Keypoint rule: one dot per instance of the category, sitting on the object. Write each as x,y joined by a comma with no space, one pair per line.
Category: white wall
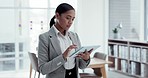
7,3
8,24
92,25
141,31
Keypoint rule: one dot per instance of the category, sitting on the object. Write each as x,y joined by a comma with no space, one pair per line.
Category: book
83,48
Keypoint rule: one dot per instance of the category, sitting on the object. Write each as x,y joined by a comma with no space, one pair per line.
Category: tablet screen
83,48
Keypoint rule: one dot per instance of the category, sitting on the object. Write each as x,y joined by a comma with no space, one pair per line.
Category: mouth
68,26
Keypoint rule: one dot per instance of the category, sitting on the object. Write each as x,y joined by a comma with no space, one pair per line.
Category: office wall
92,25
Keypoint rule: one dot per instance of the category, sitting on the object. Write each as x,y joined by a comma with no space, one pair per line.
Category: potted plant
116,31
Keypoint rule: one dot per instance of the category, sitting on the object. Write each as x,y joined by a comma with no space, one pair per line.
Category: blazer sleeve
46,65
81,63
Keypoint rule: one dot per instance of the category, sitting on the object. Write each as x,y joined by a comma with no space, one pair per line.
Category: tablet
83,48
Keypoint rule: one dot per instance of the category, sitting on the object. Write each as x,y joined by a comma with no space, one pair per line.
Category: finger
71,47
78,55
85,51
81,55
90,51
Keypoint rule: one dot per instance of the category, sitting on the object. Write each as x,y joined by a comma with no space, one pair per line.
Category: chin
67,28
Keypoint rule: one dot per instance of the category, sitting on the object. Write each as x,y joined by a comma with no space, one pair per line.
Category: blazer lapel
55,42
71,37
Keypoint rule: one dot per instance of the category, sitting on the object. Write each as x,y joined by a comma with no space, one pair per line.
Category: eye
68,18
73,19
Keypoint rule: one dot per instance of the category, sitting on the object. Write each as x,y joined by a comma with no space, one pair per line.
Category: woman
58,43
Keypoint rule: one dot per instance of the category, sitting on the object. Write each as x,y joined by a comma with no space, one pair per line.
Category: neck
60,29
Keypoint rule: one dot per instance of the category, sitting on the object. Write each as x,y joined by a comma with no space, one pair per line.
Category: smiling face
65,20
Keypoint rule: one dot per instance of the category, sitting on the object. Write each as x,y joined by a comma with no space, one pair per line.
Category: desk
99,63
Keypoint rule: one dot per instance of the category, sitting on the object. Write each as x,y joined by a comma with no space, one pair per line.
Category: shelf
112,56
130,57
135,61
122,58
112,43
144,63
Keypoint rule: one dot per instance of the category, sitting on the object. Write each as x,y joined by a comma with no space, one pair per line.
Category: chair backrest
99,55
34,61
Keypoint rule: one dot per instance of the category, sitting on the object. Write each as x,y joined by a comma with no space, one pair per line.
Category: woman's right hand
65,54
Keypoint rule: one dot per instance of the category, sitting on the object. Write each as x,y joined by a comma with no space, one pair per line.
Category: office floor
111,74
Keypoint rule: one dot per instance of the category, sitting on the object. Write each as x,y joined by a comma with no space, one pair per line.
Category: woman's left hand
85,55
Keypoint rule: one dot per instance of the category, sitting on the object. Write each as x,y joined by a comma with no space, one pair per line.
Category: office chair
97,71
33,64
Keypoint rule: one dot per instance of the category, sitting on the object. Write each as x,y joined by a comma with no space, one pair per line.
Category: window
128,13
23,21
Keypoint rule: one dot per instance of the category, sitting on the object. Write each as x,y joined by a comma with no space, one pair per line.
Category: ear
57,15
